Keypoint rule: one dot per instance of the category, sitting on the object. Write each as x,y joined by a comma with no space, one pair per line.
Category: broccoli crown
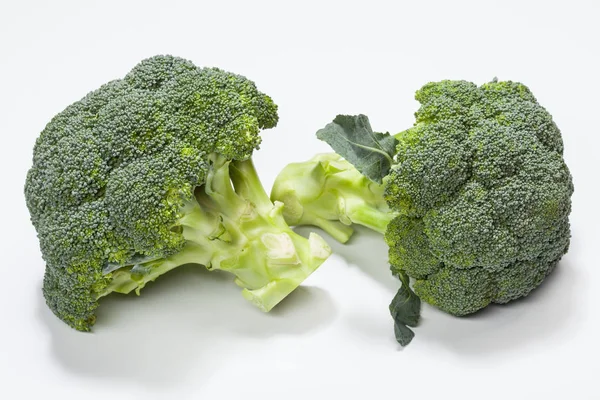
111,172
483,195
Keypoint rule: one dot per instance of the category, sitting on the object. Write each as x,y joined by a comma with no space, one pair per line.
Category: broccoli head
478,192
153,171
483,194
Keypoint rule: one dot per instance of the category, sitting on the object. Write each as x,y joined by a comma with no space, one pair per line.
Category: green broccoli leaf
406,310
370,152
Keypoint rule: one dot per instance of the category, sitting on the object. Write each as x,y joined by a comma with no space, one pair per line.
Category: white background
191,335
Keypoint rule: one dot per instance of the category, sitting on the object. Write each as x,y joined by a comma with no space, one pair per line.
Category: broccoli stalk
234,228
328,192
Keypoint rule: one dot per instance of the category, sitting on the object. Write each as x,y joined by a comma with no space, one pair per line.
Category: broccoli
154,171
477,193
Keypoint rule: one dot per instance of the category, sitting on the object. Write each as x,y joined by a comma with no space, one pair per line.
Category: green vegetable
478,194
153,171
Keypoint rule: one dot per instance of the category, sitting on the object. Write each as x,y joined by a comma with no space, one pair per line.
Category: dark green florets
483,195
111,172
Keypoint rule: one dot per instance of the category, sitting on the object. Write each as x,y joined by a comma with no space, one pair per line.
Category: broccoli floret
151,172
478,192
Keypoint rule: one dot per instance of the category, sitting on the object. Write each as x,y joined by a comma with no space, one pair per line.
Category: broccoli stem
135,277
340,232
366,215
231,224
328,192
247,184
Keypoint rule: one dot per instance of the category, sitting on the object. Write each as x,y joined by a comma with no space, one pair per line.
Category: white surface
192,335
